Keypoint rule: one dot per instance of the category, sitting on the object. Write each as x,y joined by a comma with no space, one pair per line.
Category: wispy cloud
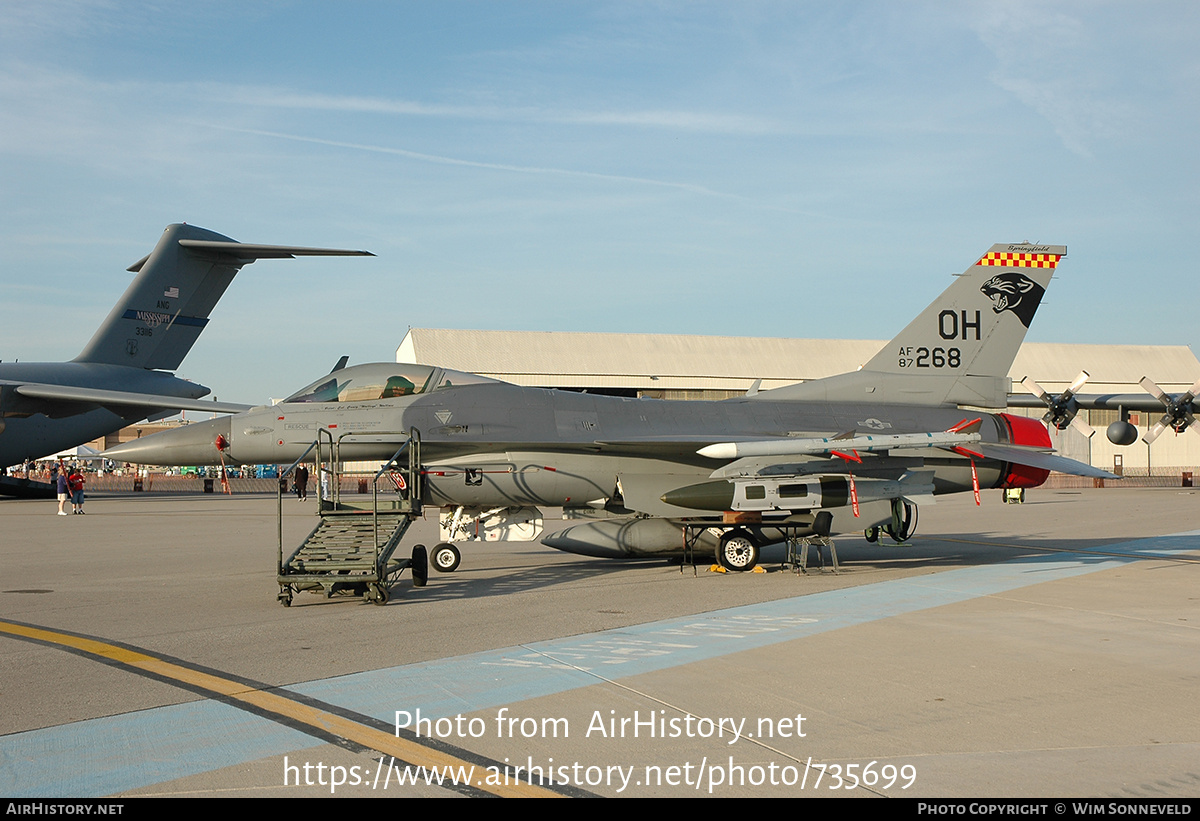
677,119
442,160
1053,62
514,168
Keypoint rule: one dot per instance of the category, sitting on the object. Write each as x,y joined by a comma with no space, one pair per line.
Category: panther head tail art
1013,291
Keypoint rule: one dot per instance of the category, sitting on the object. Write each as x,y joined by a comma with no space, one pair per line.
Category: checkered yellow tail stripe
1008,259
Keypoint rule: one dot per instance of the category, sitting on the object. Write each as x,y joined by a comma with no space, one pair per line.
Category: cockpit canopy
383,380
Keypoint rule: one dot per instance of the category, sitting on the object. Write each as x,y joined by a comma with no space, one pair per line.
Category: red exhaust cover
1025,431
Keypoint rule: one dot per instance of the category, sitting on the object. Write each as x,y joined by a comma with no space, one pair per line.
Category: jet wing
96,396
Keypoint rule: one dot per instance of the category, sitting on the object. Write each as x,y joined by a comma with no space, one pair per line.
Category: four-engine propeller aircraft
850,452
1062,410
120,376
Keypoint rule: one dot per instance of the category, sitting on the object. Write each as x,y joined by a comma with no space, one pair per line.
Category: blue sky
759,169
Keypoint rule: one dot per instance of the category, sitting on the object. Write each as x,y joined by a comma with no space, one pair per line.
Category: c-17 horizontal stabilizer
249,251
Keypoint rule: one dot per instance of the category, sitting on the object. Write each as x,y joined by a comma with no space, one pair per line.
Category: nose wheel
446,558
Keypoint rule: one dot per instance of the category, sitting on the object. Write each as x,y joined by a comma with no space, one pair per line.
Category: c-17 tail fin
959,350
164,309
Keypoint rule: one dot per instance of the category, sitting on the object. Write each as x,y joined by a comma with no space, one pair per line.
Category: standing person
301,481
63,490
75,483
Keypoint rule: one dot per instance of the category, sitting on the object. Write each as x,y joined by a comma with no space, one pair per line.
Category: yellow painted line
372,738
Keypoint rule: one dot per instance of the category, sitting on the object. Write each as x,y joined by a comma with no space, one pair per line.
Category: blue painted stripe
165,318
109,755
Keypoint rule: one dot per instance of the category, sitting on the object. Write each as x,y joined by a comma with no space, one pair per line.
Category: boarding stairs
351,549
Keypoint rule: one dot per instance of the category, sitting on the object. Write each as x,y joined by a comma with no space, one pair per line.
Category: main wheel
446,558
420,566
737,551
904,521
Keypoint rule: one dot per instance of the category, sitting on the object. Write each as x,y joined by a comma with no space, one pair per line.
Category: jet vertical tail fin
979,322
959,350
164,309
162,312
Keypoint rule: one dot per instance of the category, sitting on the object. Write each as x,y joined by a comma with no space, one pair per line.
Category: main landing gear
901,528
737,551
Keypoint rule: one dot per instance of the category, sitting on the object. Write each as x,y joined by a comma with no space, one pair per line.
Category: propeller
1179,411
1063,408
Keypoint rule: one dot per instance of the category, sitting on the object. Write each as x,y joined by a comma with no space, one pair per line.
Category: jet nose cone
194,444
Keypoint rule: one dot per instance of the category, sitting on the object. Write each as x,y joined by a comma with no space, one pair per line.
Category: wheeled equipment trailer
351,549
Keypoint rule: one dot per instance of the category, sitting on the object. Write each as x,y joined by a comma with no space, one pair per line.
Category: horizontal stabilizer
1042,460
249,250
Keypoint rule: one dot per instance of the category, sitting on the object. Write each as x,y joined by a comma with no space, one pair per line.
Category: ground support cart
351,549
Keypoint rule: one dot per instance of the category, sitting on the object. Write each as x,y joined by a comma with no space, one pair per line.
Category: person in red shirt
75,485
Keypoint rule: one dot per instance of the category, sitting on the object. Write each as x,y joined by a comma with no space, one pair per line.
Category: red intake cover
1025,431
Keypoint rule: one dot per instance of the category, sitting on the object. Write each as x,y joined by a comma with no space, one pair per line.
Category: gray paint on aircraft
548,447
